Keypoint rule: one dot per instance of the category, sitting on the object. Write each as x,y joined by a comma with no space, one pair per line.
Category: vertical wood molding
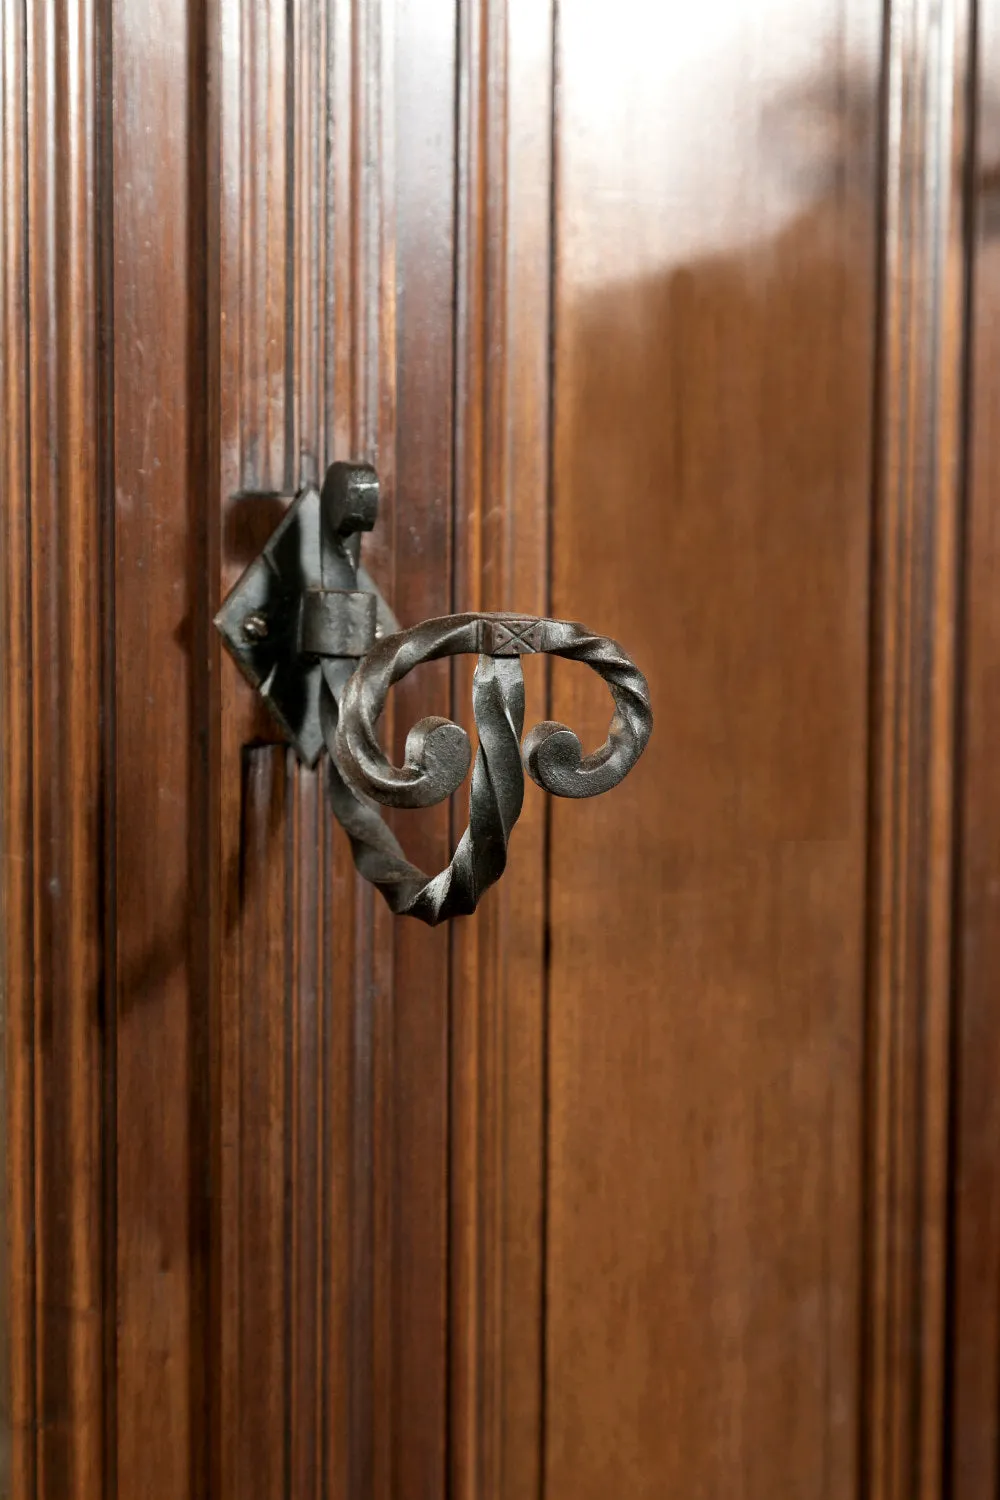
302,252
498,961
314,360
289,1375
377,1092
247,255
51,761
263,1327
17,1473
411,1143
975,1330
163,899
361,415
918,530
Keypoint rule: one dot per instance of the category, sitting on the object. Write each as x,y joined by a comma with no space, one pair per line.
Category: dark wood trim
974,1365
162,789
17,1309
918,530
302,254
52,751
501,545
424,125
276,1205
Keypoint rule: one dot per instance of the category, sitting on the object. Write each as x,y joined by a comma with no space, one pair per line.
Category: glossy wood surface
915,770
676,1170
54,519
498,974
712,509
974,1460
336,286
162,893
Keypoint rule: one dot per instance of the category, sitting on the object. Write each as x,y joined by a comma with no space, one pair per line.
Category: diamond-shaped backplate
269,596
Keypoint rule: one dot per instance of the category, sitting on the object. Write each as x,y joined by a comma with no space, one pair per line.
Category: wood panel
301,253
54,536
638,1181
422,586
16,1282
336,277
919,518
975,1348
163,892
714,360
502,455
253,370
288,1373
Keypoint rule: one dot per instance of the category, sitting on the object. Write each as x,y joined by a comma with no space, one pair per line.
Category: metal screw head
255,627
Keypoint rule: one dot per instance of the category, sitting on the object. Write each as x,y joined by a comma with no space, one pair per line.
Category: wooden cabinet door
675,1171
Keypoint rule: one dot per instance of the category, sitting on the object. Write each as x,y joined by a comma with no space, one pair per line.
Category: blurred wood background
676,1170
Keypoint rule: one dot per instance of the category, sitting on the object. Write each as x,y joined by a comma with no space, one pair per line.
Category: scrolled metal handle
494,804
303,623
553,754
437,751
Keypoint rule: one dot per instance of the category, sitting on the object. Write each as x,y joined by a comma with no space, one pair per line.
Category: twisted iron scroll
438,752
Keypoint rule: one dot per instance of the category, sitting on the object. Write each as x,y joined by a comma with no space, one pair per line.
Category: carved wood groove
53,829
919,520
413,1136
161,781
498,970
303,249
276,1175
974,1412
17,1473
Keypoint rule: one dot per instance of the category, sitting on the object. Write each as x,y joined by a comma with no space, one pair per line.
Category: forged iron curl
305,613
494,805
438,752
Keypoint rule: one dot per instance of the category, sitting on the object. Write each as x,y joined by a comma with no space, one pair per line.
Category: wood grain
284,1237
974,1348
714,359
919,519
501,562
17,1384
164,890
306,372
424,152
295,1368
265,1430
252,331
53,835
677,1169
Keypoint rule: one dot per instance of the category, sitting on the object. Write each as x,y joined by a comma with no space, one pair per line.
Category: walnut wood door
675,1171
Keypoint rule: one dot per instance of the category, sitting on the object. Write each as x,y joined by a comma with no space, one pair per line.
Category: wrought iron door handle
309,628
